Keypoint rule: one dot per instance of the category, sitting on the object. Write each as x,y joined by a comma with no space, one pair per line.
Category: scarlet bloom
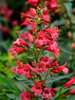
33,11
33,2
25,95
37,89
69,83
41,39
41,67
14,51
46,61
54,63
45,17
48,93
30,38
52,47
71,92
20,42
52,32
53,5
42,81
27,20
24,69
60,68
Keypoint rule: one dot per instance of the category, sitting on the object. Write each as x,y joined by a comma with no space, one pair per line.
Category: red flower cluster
68,85
60,68
25,95
48,93
18,46
37,89
30,18
16,50
50,3
24,69
38,39
5,11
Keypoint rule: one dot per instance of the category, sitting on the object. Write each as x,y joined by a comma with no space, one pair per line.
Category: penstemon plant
38,41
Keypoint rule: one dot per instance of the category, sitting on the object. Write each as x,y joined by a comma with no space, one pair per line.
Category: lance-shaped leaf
53,79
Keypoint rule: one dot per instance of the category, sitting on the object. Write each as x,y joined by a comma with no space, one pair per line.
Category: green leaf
23,30
23,81
58,22
67,50
53,79
12,96
71,97
68,7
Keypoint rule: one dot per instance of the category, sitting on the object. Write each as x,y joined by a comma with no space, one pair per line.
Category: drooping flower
69,83
25,95
14,51
20,42
60,68
37,89
71,92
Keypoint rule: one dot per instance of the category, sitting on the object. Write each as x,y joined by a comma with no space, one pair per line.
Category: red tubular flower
45,18
24,69
33,11
33,2
37,89
30,38
16,50
53,89
42,81
69,83
25,95
33,26
46,61
54,63
53,5
48,93
51,75
41,39
71,92
52,47
52,32
41,67
20,42
60,68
